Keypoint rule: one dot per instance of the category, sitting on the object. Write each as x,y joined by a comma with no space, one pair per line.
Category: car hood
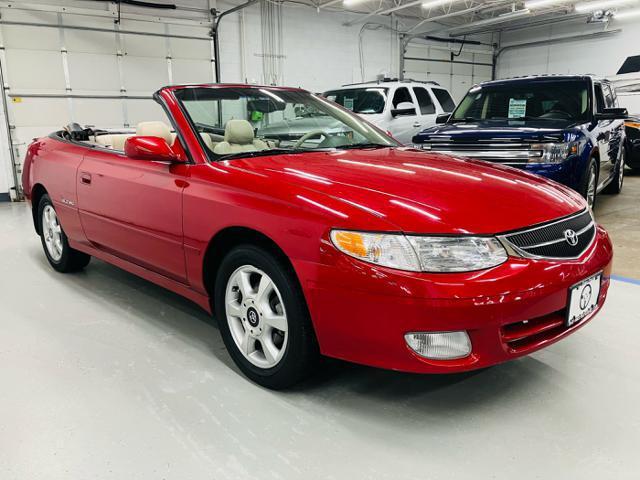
414,191
530,131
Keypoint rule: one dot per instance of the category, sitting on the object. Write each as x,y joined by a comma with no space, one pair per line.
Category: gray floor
103,375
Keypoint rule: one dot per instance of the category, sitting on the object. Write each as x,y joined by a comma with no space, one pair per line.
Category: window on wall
424,100
402,95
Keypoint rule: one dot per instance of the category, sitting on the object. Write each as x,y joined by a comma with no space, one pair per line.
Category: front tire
263,318
56,247
590,184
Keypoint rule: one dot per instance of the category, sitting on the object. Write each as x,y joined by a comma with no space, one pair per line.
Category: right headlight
421,253
551,152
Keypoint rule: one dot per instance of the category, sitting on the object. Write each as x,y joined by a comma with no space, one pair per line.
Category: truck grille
507,153
554,239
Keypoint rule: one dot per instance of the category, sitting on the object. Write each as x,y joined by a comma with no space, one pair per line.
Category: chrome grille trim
522,250
510,153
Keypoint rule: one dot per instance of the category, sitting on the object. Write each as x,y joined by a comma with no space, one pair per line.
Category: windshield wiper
465,119
363,145
262,153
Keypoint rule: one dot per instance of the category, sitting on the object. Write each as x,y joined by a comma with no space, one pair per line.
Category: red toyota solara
306,231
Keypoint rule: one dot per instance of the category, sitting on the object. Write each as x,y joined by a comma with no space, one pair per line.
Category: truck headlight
421,253
551,152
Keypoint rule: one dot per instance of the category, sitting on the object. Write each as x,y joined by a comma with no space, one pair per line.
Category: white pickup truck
401,107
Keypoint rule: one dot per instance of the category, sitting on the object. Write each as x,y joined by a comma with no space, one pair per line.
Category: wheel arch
227,239
37,192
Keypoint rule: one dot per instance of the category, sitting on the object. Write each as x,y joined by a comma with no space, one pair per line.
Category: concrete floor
103,375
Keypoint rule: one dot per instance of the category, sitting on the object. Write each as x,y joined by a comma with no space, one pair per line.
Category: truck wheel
615,186
263,318
590,184
56,247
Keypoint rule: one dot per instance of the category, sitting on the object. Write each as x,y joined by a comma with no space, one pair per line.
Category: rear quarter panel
53,164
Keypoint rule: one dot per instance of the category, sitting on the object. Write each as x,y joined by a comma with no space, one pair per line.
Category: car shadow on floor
367,391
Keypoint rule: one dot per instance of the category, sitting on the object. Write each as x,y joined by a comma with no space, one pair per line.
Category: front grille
522,336
505,152
550,240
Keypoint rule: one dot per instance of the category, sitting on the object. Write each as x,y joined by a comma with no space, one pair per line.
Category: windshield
360,100
260,121
562,101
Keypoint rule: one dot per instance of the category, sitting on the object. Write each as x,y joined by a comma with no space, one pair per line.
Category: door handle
85,178
417,125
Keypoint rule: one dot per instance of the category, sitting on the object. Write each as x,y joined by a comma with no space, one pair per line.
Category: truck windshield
360,100
561,101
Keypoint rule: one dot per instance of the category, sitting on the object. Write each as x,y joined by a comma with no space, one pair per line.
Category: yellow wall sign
16,99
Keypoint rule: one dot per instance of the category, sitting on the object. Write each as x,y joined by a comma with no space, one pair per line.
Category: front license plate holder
582,299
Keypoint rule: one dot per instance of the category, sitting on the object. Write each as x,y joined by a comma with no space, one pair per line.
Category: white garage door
61,68
430,62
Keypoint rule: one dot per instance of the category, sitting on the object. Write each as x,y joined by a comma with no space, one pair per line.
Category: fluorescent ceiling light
437,3
541,3
348,3
514,14
593,6
627,14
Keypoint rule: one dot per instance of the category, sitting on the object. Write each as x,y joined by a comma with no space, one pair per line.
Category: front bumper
569,172
361,312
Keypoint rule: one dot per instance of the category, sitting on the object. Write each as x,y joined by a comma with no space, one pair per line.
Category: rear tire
263,318
55,243
615,186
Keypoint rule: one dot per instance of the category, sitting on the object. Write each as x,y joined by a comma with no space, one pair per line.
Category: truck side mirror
404,108
612,114
443,118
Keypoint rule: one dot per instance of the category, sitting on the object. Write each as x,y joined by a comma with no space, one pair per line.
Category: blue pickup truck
564,127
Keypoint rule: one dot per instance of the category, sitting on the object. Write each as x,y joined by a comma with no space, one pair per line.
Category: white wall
601,56
320,52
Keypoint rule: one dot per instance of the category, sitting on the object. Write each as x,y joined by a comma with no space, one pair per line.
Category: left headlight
421,253
553,152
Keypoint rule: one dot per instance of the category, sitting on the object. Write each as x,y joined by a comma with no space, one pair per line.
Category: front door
427,108
403,127
606,135
133,209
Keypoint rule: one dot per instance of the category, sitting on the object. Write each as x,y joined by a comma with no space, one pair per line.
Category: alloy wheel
621,172
52,233
256,316
591,187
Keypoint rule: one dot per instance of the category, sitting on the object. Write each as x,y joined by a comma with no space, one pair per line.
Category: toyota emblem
571,237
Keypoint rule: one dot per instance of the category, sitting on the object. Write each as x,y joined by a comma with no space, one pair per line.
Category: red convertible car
332,242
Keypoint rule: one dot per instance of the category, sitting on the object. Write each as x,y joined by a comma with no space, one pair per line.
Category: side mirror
612,114
443,118
404,108
149,148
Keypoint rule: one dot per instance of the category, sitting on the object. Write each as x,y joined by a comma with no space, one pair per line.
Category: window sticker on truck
517,108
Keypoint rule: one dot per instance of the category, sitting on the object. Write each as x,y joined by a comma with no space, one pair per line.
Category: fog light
440,345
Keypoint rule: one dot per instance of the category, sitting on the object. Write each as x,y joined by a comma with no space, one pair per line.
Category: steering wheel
550,113
308,135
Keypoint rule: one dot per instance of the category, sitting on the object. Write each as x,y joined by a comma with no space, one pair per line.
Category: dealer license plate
583,299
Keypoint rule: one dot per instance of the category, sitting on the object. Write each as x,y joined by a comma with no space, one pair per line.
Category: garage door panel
194,49
144,46
90,41
48,77
192,71
144,75
40,111
30,38
462,69
91,72
102,113
145,111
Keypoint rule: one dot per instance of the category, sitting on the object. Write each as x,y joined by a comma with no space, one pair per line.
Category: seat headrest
155,129
238,132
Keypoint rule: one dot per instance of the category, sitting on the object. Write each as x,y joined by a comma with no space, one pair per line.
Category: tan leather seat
155,129
238,138
114,141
